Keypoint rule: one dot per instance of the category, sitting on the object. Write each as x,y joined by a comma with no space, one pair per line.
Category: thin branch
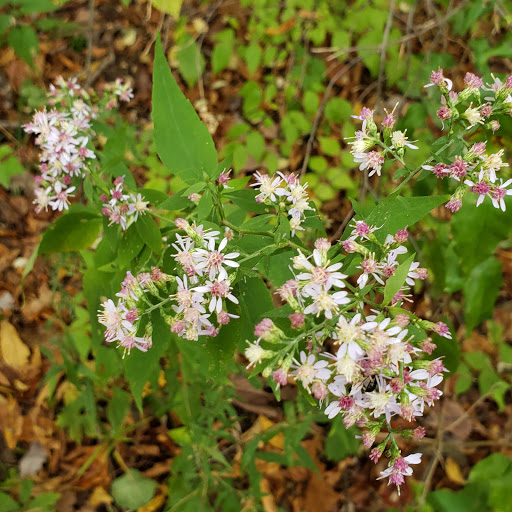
90,39
320,111
438,451
384,46
343,225
426,27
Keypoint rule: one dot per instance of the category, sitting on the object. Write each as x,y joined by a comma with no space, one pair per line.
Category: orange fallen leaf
281,29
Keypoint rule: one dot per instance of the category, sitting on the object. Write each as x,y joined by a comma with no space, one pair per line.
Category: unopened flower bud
181,224
280,376
195,198
297,320
319,390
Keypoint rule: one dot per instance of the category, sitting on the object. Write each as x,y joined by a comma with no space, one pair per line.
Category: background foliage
275,84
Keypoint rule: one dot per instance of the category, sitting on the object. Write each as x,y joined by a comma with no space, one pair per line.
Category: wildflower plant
221,265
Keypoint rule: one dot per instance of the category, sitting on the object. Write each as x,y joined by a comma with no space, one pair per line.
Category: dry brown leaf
268,501
453,471
12,422
36,305
14,352
281,29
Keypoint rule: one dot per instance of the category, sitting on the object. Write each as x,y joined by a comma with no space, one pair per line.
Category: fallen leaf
33,460
12,422
14,352
155,504
99,497
453,471
280,29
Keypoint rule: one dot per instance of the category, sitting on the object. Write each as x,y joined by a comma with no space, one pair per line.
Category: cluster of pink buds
63,135
367,142
474,168
285,192
122,208
377,371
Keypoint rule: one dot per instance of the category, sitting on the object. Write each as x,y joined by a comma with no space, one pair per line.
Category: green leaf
341,442
246,199
118,408
130,246
490,468
255,300
256,145
139,366
37,6
329,146
477,231
72,232
464,379
481,291
183,142
172,7
5,21
149,232
220,349
191,61
133,490
7,504
253,57
45,501
396,212
311,102
9,164
396,281
25,43
223,50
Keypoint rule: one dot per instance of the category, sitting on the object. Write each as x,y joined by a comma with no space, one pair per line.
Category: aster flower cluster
64,134
377,371
376,270
121,207
474,168
285,193
123,320
193,302
368,141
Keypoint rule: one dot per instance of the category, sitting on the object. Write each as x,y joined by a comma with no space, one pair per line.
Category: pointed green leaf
396,281
183,142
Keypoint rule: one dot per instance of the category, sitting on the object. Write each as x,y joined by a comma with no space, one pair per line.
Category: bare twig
470,409
438,451
90,39
320,111
343,225
426,27
384,46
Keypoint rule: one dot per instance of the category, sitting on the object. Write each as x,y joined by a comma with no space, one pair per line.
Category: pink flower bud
297,320
402,320
280,377
319,390
401,236
418,433
322,244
